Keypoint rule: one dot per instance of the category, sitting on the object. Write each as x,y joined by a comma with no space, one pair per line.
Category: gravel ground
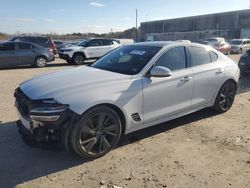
203,149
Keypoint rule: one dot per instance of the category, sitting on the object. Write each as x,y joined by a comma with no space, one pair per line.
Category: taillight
53,45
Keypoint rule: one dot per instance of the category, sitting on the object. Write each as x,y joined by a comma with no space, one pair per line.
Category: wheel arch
114,107
36,57
79,52
41,55
229,79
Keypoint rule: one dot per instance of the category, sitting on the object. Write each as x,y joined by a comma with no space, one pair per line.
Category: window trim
210,52
17,46
186,58
192,60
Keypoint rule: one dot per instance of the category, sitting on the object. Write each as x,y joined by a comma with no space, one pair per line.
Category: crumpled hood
65,82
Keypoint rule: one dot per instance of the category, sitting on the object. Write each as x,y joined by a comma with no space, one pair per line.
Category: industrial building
235,24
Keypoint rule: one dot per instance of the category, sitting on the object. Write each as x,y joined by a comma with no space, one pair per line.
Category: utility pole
136,24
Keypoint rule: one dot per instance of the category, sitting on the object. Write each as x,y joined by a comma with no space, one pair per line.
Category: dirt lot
203,149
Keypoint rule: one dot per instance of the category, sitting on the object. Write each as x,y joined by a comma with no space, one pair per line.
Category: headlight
66,50
48,110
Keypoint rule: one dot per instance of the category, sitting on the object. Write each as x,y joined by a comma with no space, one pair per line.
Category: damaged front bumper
37,124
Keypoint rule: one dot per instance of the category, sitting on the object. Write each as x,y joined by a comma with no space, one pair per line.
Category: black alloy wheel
97,132
78,59
225,97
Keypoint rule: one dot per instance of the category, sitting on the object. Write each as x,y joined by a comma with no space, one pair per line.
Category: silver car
131,88
14,54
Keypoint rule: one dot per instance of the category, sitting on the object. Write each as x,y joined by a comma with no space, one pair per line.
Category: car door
208,74
106,46
25,53
7,55
93,48
163,97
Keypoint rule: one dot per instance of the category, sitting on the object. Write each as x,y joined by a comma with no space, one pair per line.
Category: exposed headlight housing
48,110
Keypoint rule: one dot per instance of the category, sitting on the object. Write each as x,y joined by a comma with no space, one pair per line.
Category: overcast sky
67,16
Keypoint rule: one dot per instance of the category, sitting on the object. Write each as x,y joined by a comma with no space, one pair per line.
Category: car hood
60,83
73,48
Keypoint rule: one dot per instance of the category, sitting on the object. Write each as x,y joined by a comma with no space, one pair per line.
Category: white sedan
133,87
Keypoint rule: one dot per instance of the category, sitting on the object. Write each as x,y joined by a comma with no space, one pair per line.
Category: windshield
212,40
236,42
127,59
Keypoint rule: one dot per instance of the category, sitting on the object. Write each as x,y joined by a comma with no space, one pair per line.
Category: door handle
186,78
219,71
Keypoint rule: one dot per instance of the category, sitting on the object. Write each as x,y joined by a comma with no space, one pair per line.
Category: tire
241,51
40,62
225,97
96,133
78,59
69,61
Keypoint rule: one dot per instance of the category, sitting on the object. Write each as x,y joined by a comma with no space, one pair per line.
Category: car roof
15,42
166,43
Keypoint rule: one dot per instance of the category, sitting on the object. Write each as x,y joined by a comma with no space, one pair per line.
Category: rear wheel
96,133
225,97
78,59
40,62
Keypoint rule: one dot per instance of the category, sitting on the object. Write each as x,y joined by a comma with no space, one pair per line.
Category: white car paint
156,100
244,45
90,51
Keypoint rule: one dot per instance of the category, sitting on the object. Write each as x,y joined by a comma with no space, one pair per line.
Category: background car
24,53
239,45
244,62
59,44
218,44
46,42
89,49
224,48
130,88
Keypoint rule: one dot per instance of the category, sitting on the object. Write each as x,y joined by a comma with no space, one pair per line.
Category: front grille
22,102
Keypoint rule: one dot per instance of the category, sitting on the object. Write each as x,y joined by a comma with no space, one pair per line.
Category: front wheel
69,61
225,97
78,59
96,133
40,62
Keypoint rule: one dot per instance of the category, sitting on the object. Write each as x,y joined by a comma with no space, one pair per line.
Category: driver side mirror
160,72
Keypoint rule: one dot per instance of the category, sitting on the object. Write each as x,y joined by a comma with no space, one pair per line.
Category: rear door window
24,46
106,42
200,56
95,42
214,56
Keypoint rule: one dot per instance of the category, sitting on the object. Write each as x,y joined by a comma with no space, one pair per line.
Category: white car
239,45
89,49
133,87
